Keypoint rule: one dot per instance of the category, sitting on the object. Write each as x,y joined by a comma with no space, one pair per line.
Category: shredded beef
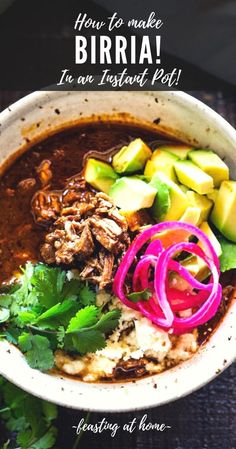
47,253
138,220
44,172
26,185
87,231
77,190
46,206
108,233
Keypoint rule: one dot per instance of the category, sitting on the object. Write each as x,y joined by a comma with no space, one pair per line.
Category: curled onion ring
164,301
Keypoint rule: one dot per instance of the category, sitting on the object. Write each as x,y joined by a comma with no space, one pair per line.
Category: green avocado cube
181,151
193,177
223,215
211,164
130,193
161,161
203,203
167,208
191,215
210,234
99,175
184,189
212,195
131,158
197,266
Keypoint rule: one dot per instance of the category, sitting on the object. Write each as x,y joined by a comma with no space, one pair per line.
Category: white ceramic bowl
183,116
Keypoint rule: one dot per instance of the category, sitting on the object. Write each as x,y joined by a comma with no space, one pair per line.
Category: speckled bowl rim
213,357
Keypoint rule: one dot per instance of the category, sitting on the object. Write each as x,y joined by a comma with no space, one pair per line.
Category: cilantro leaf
24,437
88,341
5,299
60,336
16,424
88,318
84,318
108,321
26,317
60,313
23,292
88,329
47,441
29,417
37,351
143,295
52,286
49,410
27,441
57,315
13,397
228,256
71,289
20,294
25,342
4,314
12,333
48,284
87,296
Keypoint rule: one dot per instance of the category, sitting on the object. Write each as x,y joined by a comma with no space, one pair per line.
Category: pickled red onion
165,301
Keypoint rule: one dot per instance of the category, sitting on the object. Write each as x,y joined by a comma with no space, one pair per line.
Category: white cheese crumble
134,338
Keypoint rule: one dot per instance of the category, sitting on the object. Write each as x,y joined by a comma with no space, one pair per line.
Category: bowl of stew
117,247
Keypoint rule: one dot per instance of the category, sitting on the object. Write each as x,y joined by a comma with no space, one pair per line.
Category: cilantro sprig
143,295
45,310
37,351
87,328
30,419
28,422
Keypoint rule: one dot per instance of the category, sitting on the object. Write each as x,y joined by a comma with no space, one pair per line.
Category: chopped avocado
191,215
210,234
212,195
193,177
183,188
178,200
211,164
224,211
196,266
131,158
152,168
99,175
181,151
176,281
201,202
131,193
162,200
161,161
163,157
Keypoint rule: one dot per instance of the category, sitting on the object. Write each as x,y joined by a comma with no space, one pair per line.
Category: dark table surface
205,419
